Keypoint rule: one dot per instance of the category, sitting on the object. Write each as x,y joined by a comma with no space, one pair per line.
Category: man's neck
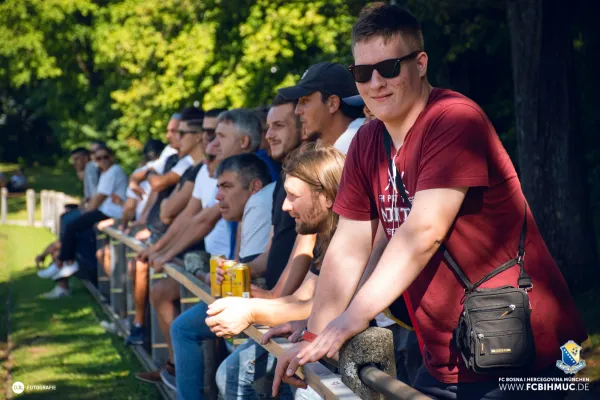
400,127
338,126
197,154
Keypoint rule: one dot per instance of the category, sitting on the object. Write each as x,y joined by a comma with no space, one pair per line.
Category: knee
157,294
141,270
221,378
178,329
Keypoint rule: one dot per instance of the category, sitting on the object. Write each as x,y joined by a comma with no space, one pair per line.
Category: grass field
59,342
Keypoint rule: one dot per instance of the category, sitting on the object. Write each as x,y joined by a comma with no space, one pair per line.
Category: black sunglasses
386,68
182,132
102,158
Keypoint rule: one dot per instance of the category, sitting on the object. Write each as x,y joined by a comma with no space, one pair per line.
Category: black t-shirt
189,175
154,223
284,236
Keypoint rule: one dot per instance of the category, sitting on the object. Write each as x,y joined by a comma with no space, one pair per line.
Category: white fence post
30,199
43,207
3,205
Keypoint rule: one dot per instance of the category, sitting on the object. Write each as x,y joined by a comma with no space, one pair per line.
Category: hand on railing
229,316
144,254
157,261
287,364
294,328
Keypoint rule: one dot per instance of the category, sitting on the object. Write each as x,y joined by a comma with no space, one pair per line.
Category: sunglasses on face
103,158
386,68
183,133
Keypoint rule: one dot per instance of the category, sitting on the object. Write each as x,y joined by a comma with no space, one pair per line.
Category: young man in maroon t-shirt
464,192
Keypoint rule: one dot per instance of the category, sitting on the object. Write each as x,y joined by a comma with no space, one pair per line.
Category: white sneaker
48,272
66,271
56,293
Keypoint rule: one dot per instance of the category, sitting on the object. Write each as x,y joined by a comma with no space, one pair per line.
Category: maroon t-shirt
453,144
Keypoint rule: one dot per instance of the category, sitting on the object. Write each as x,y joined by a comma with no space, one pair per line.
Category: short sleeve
105,183
182,165
454,152
354,199
256,224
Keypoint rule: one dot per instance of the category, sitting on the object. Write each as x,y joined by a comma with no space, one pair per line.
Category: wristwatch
307,336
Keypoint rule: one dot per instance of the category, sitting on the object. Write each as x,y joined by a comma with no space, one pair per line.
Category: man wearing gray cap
324,114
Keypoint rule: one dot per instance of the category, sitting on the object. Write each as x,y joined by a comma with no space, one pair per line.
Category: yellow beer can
215,289
240,281
226,289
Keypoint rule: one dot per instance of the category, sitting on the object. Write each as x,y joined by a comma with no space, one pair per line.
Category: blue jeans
187,333
247,364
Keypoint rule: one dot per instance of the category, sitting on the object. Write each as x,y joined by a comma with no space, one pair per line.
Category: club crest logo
571,362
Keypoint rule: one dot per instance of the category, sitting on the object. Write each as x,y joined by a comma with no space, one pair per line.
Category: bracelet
308,336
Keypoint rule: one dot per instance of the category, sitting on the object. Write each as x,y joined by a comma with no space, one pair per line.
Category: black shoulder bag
494,333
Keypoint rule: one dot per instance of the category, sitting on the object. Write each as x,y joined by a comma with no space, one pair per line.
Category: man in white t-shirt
324,114
112,182
244,195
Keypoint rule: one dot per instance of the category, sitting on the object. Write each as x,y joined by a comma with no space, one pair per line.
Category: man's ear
255,186
328,201
422,61
245,142
333,104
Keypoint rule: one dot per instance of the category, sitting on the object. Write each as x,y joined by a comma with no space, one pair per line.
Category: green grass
60,179
59,342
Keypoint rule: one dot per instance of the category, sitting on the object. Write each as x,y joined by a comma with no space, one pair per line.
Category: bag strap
524,280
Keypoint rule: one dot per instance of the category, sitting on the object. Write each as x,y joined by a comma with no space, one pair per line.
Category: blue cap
176,116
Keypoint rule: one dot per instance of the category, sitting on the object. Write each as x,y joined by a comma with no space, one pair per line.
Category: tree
550,142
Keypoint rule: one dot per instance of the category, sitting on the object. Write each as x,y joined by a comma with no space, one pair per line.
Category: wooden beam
317,376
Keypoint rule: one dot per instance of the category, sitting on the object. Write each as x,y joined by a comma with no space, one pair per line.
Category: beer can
215,288
226,290
240,281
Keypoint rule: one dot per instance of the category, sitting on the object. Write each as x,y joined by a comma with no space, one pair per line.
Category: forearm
175,204
158,183
297,267
379,245
272,313
96,201
148,206
200,226
174,232
259,265
342,268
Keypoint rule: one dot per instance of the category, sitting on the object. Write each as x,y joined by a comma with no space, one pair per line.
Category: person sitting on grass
101,207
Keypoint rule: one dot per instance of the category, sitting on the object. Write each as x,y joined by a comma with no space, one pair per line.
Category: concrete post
3,205
30,199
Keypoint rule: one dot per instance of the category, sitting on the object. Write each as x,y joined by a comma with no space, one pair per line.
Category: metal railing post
117,278
130,299
103,279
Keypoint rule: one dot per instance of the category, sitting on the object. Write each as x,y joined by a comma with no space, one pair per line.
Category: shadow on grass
60,342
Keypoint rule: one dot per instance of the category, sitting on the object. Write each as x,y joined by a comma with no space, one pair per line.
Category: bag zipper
481,336
511,308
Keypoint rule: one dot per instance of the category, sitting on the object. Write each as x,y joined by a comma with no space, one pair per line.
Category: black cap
354,101
325,77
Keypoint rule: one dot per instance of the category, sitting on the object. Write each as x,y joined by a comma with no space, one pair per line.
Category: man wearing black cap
324,114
